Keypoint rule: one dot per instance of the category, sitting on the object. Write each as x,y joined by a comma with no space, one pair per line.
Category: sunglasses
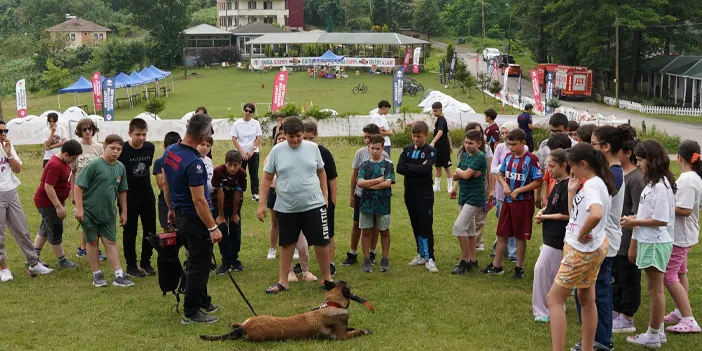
86,129
248,111
4,131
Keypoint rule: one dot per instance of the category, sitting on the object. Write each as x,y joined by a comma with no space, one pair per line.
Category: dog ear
329,285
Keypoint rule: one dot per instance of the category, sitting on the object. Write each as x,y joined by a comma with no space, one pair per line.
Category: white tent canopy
453,109
148,116
74,114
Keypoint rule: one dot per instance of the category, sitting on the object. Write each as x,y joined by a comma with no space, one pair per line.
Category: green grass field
223,91
415,309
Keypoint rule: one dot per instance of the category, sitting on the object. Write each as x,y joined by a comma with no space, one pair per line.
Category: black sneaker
384,265
135,272
297,269
351,259
371,256
367,266
237,266
518,272
223,269
147,268
199,317
475,264
212,308
332,269
492,270
463,267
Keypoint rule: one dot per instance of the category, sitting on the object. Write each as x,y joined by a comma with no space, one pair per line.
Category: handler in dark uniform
189,207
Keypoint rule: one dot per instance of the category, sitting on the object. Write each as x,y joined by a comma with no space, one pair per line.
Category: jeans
252,163
230,245
626,286
511,241
139,206
197,270
603,301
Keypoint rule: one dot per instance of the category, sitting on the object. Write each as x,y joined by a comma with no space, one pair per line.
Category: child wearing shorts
519,176
470,177
554,218
687,230
653,227
585,244
170,139
376,177
442,144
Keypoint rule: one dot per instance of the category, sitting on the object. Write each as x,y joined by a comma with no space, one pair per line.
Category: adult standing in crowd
189,207
278,124
246,136
11,214
526,124
52,137
379,118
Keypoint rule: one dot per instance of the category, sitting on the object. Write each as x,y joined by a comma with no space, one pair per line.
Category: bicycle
360,88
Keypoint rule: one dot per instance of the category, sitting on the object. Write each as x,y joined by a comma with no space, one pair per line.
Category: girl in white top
585,245
653,226
53,137
687,232
246,136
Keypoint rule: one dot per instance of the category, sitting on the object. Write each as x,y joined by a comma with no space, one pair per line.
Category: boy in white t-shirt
246,136
53,138
378,118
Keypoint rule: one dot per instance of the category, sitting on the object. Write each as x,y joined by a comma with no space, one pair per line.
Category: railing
654,110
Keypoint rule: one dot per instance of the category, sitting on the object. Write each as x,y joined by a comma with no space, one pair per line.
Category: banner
415,64
504,87
21,93
549,91
407,60
398,85
519,88
536,90
453,65
490,67
495,68
477,62
108,99
97,91
310,61
442,70
280,88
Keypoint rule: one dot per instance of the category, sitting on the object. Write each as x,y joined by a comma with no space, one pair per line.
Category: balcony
256,12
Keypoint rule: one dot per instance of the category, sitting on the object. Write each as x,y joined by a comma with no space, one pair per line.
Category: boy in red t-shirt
54,188
492,131
229,184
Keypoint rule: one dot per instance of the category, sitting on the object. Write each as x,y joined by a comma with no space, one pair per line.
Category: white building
232,14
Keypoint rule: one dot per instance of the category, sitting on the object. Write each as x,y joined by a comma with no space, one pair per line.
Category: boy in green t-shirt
375,177
95,192
470,176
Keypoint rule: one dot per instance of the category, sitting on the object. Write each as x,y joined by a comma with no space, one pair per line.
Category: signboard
97,91
398,85
21,93
407,60
415,63
536,90
108,99
549,91
280,88
579,82
310,61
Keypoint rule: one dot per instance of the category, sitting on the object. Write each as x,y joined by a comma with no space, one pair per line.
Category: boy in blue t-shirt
170,139
375,177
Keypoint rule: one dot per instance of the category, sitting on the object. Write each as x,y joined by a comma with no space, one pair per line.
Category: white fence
655,110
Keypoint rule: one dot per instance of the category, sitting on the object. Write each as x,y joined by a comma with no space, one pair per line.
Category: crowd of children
608,205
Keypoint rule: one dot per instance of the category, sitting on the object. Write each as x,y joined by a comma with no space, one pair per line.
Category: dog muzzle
362,301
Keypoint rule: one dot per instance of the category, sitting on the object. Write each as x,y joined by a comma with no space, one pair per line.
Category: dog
328,321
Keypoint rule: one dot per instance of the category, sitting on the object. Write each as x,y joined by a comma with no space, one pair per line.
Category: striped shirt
519,172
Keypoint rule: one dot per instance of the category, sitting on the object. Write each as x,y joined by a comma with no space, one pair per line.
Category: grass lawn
416,310
223,91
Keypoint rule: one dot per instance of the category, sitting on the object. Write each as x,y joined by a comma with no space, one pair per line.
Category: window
72,36
268,5
101,36
286,4
252,5
236,4
229,5
229,21
286,19
95,36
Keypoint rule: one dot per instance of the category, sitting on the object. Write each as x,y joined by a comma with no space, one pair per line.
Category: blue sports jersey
519,172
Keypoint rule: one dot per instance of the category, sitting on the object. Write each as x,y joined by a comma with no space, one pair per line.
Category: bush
155,105
291,110
316,113
55,77
671,143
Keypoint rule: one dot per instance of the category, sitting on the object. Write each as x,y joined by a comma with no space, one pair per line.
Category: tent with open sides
82,85
122,80
329,56
164,74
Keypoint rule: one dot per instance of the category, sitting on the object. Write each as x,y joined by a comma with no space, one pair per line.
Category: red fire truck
569,81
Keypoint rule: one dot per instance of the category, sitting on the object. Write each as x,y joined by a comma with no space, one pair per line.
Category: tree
55,77
483,82
165,20
400,14
494,88
464,77
385,28
155,105
207,15
426,18
379,14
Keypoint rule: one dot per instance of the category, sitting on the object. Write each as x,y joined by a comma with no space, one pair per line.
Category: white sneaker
645,340
296,255
449,187
6,275
437,189
431,266
271,254
417,261
40,269
480,247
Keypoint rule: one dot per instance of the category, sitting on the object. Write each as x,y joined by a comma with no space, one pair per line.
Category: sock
119,273
437,182
97,272
353,252
449,183
372,251
652,332
62,259
38,251
677,313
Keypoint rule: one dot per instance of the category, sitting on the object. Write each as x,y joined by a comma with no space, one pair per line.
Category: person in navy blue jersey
526,124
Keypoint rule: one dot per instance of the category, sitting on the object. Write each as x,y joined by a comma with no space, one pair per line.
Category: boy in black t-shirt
170,139
442,144
229,183
137,156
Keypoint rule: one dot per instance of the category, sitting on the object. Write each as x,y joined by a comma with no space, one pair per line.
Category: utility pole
509,37
616,64
483,2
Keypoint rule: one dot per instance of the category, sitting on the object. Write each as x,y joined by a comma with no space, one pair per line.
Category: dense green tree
379,16
427,18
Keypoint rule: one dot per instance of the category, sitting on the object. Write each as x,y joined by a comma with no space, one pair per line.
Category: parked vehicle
542,69
573,82
490,53
515,70
504,60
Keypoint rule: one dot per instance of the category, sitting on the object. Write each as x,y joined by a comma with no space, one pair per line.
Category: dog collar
331,304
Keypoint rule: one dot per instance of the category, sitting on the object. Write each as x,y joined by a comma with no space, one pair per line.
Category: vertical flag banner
490,67
280,88
108,99
21,93
453,64
519,88
549,91
407,60
442,69
495,68
97,91
398,85
536,90
415,63
477,62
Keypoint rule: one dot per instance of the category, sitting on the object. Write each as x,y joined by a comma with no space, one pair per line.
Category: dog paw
367,332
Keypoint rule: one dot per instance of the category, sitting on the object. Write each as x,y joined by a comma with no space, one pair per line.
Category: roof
337,38
77,25
257,28
657,63
695,71
205,29
681,65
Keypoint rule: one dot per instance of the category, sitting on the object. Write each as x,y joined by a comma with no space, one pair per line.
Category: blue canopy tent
164,74
82,85
327,58
122,80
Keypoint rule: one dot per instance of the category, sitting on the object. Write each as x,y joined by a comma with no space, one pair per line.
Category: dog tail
236,333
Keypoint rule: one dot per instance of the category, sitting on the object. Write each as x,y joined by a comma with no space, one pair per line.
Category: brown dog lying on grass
328,321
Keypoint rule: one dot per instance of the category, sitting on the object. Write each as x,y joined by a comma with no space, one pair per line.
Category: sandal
279,288
684,327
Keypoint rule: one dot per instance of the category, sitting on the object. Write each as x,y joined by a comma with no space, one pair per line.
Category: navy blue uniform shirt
184,169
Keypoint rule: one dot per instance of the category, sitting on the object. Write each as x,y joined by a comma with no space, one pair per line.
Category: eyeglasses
248,111
86,129
4,131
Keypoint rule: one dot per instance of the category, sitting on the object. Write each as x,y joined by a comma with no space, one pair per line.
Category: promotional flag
108,99
442,69
519,89
97,91
536,90
398,85
495,68
549,91
490,67
477,62
280,88
407,60
504,86
415,63
453,65
21,93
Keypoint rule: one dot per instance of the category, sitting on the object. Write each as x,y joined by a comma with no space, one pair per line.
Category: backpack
171,275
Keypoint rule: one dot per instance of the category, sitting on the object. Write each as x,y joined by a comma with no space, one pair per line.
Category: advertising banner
97,91
415,63
280,87
310,61
398,85
407,60
108,99
549,91
21,93
536,90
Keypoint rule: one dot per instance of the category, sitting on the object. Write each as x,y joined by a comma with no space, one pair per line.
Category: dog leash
236,286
